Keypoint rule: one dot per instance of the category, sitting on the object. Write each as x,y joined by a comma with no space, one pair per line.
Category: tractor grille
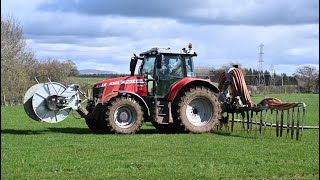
97,92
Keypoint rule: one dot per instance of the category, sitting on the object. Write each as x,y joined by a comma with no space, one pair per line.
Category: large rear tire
123,115
197,110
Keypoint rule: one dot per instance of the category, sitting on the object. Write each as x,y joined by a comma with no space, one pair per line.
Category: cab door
170,72
147,70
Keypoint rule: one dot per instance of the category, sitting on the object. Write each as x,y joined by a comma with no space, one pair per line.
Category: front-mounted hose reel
51,102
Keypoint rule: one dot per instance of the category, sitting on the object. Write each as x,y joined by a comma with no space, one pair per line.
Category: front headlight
100,85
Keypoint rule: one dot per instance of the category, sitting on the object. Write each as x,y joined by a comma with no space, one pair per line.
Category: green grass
68,150
85,80
86,83
311,101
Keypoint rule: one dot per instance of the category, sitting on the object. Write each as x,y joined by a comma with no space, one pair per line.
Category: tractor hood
119,81
109,88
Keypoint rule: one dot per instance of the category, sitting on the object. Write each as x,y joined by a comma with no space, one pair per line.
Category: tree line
306,78
19,66
107,76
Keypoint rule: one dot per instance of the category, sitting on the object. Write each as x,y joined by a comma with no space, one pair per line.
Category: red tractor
164,91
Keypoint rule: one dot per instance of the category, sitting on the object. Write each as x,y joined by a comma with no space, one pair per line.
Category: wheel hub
195,111
199,111
124,117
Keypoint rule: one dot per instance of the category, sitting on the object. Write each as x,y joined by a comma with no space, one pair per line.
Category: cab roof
155,50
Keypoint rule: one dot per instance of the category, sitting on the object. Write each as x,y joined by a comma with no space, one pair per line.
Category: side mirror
133,63
159,59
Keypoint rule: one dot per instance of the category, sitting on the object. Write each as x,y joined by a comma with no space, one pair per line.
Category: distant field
68,150
86,83
85,80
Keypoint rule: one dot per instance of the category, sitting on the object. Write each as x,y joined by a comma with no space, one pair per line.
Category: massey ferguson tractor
162,89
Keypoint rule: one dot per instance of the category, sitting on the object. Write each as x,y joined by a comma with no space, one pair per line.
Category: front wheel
94,125
123,115
94,121
198,110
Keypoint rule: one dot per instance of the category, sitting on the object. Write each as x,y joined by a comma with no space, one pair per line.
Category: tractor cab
162,67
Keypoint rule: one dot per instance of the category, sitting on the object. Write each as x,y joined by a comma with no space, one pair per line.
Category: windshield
171,67
147,66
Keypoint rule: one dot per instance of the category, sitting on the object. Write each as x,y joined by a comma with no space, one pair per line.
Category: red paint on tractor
133,84
182,83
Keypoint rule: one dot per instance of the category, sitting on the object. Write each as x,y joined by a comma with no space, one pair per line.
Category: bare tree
16,61
214,73
308,78
72,68
19,66
317,84
202,71
55,70
230,65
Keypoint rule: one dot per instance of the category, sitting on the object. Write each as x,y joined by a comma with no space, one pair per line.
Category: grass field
68,150
85,80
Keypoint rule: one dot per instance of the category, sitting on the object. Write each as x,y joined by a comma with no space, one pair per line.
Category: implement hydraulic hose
235,79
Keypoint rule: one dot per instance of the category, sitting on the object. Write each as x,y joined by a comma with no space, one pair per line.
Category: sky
103,35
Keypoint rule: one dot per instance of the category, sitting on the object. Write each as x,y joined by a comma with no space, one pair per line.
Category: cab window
189,67
148,66
171,67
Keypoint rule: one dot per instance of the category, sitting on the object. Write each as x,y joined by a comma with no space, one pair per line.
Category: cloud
105,34
227,12
302,51
216,45
291,69
68,24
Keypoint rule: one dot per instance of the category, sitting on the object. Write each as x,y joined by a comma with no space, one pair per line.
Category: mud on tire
123,115
197,110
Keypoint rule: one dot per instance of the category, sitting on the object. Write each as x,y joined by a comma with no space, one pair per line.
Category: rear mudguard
188,82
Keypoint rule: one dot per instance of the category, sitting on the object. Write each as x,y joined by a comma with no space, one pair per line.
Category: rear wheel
197,110
123,115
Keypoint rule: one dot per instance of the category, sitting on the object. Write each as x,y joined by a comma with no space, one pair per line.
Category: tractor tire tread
117,102
180,118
